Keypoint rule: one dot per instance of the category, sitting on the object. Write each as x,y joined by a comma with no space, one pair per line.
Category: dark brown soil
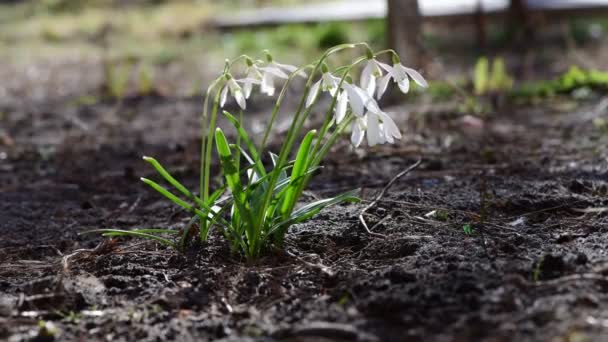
534,267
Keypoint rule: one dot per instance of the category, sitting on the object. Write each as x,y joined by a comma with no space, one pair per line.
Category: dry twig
381,194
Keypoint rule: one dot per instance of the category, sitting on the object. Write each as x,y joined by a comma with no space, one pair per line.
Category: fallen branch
381,194
320,267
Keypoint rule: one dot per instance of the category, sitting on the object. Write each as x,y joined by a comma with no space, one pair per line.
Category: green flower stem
204,135
207,135
237,152
329,114
331,141
277,106
235,60
296,127
209,144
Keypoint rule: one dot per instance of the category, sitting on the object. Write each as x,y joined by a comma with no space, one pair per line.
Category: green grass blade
275,159
215,195
306,212
311,209
299,169
231,174
167,194
167,176
135,233
253,152
204,212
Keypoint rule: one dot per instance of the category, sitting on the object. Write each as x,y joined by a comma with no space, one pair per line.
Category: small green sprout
47,330
117,79
259,200
145,80
494,80
468,229
538,268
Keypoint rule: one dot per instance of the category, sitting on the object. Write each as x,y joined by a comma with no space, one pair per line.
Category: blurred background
174,47
477,54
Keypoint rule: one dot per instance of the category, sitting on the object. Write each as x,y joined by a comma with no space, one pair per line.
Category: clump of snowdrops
258,202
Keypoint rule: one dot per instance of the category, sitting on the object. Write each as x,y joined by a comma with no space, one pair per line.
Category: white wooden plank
353,10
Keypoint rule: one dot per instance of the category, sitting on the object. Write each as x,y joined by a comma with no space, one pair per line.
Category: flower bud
324,68
249,61
396,59
369,53
268,56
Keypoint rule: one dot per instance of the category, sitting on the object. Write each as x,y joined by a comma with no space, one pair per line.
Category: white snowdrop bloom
341,106
253,76
287,68
400,75
360,100
235,90
327,83
269,73
273,70
379,126
369,74
358,131
381,129
370,118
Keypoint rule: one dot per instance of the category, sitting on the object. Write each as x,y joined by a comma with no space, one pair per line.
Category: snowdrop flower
360,100
358,131
268,76
400,75
370,73
369,117
274,70
235,90
379,126
341,106
327,83
253,76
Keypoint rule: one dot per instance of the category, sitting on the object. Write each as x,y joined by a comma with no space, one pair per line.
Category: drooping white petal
373,130
223,96
341,106
366,74
368,101
247,87
371,87
382,85
357,133
399,73
330,83
267,86
389,126
387,137
274,71
416,77
404,85
240,99
290,68
388,68
356,102
237,93
313,93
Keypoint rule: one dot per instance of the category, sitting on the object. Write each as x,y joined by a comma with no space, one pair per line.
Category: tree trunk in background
520,25
404,28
